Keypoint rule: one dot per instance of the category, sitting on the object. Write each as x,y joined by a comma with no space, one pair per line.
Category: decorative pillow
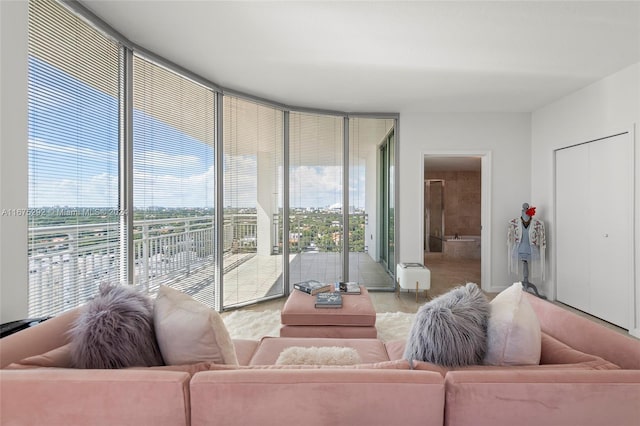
189,331
514,330
115,330
451,330
324,355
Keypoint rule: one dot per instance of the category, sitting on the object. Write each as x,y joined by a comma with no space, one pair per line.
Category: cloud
37,146
195,190
164,162
315,186
99,190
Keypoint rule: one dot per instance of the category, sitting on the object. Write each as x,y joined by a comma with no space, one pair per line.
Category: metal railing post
145,256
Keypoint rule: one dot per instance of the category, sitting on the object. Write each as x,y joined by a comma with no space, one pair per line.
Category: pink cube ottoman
355,319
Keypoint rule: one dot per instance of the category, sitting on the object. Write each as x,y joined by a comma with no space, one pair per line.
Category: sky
73,157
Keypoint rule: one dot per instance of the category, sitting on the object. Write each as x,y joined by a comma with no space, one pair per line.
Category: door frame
387,190
485,208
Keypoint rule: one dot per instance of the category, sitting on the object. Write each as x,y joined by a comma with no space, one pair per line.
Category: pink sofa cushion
37,340
58,357
317,397
245,349
556,352
54,396
370,350
190,369
341,332
542,397
357,310
395,349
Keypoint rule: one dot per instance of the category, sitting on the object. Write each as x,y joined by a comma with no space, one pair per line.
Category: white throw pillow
514,336
189,331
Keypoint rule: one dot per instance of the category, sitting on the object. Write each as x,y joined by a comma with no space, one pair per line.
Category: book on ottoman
332,299
348,287
312,287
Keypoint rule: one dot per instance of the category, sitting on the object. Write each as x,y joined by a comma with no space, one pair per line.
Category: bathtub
463,247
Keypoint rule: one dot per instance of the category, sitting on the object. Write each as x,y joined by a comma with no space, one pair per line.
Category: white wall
505,135
607,107
13,161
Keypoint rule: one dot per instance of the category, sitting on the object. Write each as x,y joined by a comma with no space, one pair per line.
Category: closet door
594,227
572,215
611,228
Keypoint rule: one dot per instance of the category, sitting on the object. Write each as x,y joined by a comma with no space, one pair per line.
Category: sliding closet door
610,181
594,225
572,195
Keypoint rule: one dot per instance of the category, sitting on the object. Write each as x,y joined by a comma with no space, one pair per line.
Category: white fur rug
254,325
329,355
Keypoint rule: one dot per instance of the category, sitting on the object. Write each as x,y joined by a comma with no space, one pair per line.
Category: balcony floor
251,277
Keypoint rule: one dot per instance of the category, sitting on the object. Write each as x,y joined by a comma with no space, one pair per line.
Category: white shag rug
253,325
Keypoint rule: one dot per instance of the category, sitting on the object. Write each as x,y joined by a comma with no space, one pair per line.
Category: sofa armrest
547,397
38,339
586,335
94,397
317,397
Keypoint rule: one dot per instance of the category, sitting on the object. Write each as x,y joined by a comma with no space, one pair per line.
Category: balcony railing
67,263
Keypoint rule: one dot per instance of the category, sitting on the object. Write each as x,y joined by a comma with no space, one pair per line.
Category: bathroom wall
461,201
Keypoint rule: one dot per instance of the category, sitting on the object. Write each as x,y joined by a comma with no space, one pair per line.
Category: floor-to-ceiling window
132,180
253,201
315,197
74,216
173,181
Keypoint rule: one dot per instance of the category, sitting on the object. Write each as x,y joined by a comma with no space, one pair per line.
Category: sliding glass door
387,202
315,197
365,266
253,203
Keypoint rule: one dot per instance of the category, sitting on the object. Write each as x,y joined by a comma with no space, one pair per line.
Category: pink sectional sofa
589,375
579,389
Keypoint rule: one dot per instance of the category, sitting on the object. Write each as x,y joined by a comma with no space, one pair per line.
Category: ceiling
376,56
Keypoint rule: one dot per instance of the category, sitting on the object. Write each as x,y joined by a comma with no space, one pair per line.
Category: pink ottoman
356,318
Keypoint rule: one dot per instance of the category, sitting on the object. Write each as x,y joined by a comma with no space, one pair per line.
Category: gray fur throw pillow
451,330
115,330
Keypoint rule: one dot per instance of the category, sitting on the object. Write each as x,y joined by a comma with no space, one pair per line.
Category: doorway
456,234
